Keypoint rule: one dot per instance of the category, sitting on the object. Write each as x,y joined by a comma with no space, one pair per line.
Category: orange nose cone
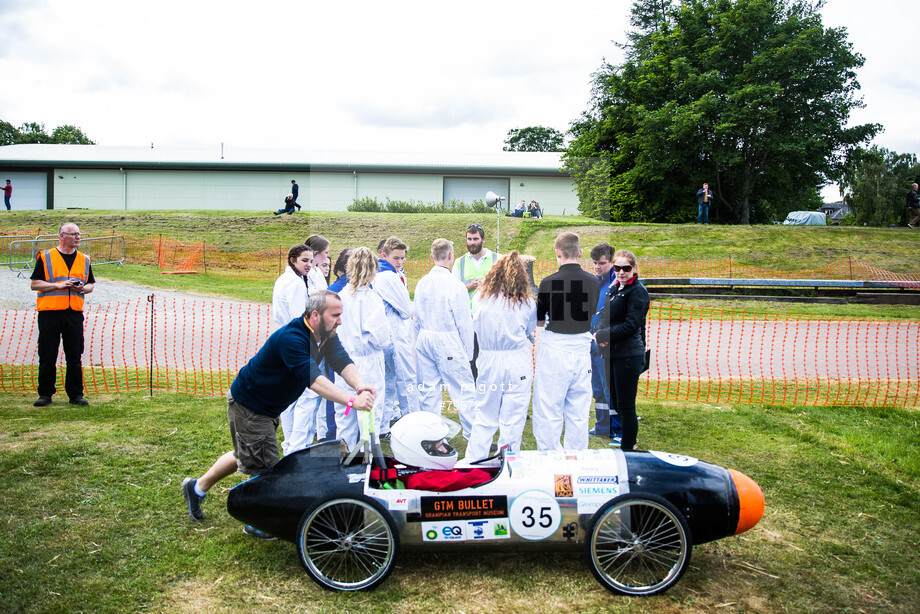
750,501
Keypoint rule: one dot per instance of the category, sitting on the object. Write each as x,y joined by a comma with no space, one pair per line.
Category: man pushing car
283,368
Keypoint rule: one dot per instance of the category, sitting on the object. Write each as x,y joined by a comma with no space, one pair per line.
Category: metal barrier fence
698,354
101,250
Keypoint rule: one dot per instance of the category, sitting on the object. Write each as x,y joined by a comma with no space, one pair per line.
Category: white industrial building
47,176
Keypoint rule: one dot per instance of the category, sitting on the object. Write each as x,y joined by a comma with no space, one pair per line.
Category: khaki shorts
255,443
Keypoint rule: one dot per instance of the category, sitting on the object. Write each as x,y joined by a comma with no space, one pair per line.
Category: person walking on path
562,383
295,191
913,207
275,377
62,277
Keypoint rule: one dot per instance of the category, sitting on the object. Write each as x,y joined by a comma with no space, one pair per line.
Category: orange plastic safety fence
193,346
698,354
713,355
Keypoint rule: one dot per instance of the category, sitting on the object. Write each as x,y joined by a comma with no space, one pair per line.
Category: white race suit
444,345
400,360
365,335
505,366
562,391
289,300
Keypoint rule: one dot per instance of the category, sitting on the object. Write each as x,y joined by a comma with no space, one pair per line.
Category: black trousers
623,382
54,327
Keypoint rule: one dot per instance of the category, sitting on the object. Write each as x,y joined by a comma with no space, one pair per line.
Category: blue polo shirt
285,366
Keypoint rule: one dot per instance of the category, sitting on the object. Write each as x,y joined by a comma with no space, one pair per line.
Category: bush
372,205
848,220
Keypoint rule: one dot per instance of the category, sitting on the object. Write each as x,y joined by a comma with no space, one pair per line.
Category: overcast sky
360,76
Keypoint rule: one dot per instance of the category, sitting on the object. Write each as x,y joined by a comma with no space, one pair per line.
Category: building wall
30,190
265,191
556,195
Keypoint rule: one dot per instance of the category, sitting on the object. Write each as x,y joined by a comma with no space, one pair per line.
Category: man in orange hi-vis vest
62,277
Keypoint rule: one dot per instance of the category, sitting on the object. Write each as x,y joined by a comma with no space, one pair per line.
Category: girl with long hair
364,334
504,319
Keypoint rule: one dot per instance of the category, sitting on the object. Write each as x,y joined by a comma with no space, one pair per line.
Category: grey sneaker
254,532
192,500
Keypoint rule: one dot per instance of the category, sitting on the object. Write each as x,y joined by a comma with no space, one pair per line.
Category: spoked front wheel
638,545
347,544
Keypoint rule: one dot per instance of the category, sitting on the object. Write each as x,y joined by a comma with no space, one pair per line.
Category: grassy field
93,520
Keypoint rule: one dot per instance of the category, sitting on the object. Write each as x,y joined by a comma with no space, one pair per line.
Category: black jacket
622,321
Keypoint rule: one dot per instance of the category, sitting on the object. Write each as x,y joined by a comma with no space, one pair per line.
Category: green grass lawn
93,520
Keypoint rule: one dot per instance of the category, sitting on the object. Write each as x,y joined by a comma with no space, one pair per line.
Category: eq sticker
678,460
535,515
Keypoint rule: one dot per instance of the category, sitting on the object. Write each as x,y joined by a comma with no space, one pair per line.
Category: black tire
638,545
348,544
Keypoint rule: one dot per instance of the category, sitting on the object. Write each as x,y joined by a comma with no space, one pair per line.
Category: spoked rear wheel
347,544
638,545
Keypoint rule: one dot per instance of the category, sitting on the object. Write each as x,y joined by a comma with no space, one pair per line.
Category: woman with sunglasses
620,335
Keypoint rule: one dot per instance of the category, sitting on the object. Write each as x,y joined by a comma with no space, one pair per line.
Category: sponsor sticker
399,504
563,485
467,530
678,460
464,507
598,479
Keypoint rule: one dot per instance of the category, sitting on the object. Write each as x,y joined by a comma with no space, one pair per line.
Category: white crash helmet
420,439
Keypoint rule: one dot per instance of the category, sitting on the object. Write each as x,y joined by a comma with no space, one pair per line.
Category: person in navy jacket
287,364
620,335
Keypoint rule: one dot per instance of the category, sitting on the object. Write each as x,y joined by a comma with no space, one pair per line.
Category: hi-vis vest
476,270
55,271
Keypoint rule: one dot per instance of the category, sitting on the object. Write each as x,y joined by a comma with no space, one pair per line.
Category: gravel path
16,293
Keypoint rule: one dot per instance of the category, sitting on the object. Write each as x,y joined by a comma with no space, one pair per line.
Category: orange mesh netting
698,354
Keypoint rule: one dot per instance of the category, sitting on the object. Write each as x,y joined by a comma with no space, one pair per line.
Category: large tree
534,138
751,96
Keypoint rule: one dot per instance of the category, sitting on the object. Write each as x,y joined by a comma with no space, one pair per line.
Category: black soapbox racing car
636,515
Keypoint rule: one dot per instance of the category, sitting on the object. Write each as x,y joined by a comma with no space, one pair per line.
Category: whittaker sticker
464,508
563,485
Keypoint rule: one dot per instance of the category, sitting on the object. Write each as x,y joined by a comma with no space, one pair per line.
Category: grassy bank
93,520
782,248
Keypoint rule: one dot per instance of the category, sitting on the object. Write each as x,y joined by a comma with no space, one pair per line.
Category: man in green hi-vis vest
471,268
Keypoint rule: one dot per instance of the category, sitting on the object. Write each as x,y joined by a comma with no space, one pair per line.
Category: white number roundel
535,515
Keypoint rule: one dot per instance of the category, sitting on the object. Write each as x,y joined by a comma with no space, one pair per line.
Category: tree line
32,132
753,97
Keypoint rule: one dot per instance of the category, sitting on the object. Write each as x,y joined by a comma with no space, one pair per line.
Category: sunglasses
474,226
626,269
